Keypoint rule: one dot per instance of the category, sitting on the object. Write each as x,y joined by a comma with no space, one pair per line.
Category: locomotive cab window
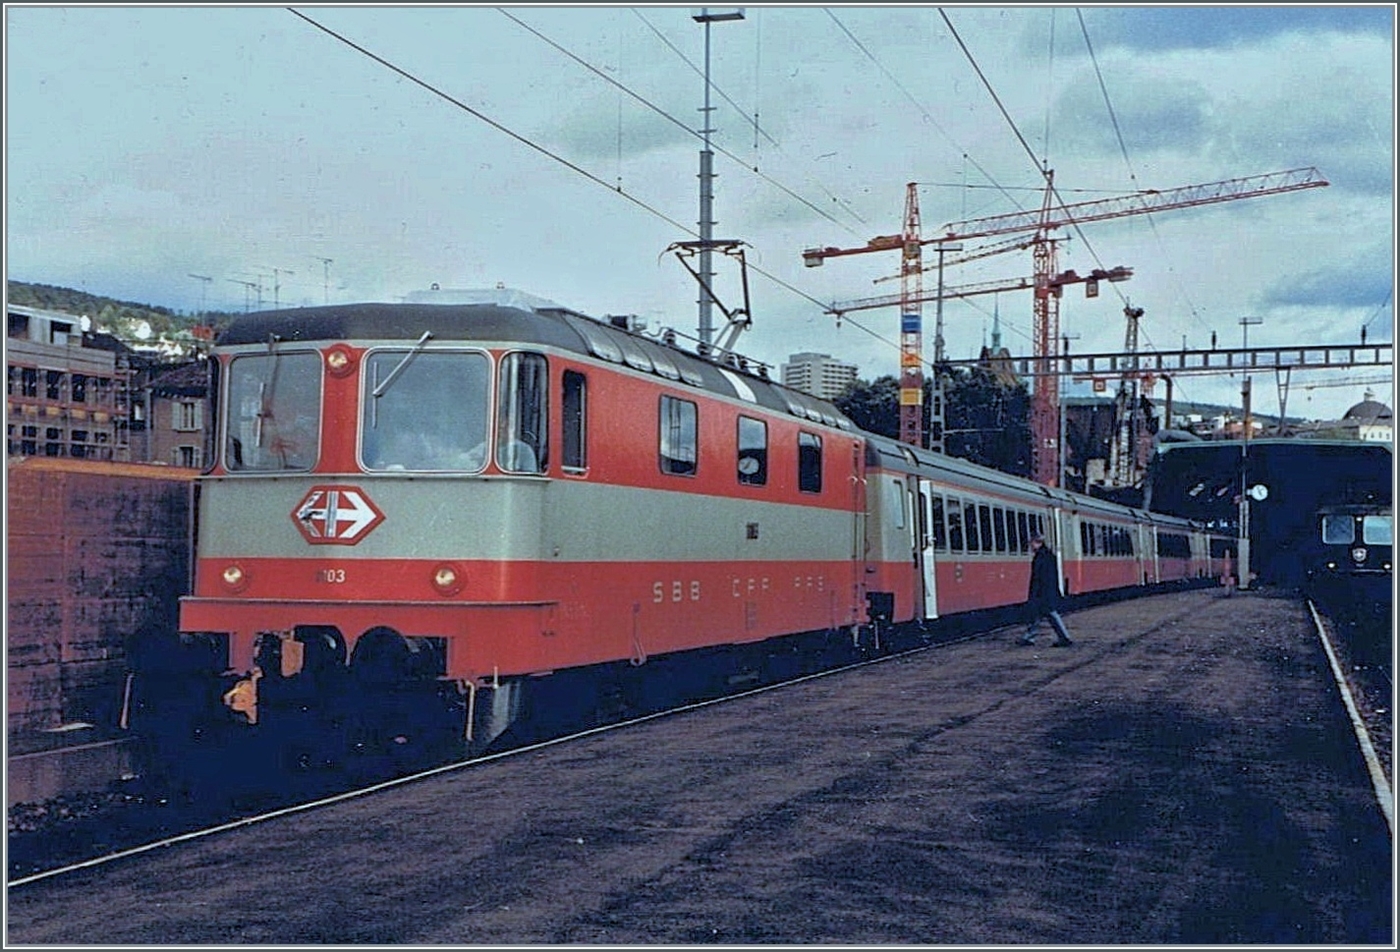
809,462
425,411
1338,530
274,412
575,411
752,451
522,421
679,427
1376,530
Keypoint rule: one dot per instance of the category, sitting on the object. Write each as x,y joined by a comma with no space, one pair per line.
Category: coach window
955,524
940,531
425,411
522,419
894,497
999,527
575,411
984,517
974,538
809,462
1023,531
752,462
274,412
678,436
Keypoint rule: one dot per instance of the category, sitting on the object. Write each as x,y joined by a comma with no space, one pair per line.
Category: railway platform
1186,773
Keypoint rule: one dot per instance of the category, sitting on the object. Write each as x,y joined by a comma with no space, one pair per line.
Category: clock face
1259,492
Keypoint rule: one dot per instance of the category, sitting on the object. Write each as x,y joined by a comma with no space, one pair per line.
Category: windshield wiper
399,368
267,389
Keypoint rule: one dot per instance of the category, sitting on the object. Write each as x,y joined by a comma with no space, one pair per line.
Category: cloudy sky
554,150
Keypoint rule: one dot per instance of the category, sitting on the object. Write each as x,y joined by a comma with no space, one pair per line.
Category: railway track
1367,688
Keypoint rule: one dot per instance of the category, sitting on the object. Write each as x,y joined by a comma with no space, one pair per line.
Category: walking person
1043,596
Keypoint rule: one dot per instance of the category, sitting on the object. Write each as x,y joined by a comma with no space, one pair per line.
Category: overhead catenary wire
523,140
672,119
1132,173
758,129
920,106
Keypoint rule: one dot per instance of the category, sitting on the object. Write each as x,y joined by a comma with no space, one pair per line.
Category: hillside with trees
114,316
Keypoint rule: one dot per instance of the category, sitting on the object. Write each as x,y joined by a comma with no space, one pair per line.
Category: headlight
447,580
234,578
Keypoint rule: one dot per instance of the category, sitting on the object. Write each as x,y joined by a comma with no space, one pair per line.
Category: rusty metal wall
95,552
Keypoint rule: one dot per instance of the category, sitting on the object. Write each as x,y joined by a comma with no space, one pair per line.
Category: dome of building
1369,410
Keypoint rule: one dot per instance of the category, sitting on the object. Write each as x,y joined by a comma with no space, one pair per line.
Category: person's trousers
1056,622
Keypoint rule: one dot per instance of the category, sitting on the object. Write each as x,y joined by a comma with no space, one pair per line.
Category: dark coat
1044,592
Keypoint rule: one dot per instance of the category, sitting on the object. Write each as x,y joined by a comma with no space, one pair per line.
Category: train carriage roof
899,457
544,326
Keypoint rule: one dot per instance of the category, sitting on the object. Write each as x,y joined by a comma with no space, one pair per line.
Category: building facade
818,374
67,395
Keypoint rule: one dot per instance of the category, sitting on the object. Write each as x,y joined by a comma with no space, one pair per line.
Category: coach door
927,531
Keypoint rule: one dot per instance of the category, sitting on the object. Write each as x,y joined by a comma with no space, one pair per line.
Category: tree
986,421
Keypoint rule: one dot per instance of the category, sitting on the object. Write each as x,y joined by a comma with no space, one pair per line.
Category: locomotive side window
575,410
752,452
1376,530
955,524
809,462
425,411
274,412
1338,530
522,422
678,437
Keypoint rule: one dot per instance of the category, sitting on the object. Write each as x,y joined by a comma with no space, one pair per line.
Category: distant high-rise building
821,375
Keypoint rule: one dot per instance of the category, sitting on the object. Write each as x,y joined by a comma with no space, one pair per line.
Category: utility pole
707,189
277,286
1064,447
939,411
203,292
325,277
248,287
1245,396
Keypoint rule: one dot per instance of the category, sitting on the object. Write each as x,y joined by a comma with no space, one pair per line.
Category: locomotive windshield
1376,530
430,416
274,412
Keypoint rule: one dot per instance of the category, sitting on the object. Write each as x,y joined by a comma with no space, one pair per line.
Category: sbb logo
336,515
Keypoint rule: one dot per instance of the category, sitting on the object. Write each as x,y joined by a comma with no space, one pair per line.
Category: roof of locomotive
540,325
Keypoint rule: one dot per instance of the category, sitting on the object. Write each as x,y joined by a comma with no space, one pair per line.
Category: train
1350,562
426,524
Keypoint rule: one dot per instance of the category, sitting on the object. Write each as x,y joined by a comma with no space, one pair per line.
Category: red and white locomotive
459,508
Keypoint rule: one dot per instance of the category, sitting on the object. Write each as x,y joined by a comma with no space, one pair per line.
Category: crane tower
1045,400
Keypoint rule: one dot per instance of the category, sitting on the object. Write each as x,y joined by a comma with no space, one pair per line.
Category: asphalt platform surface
1184,774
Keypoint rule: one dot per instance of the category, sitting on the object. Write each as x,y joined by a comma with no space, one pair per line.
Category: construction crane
1045,401
910,301
1124,463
